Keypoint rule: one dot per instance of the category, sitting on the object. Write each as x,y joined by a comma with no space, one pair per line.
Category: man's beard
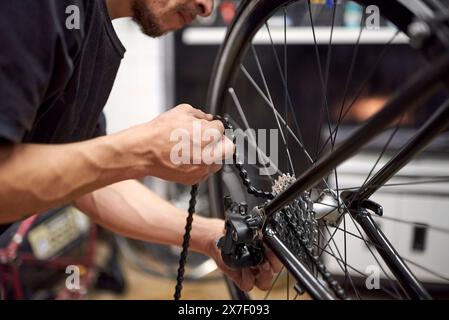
146,19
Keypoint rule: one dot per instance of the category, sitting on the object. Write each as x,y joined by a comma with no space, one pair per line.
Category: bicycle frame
405,100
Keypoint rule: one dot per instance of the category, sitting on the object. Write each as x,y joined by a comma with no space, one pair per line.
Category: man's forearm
36,177
130,209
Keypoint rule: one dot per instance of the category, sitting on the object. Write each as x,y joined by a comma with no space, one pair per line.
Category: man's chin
160,32
156,35
152,31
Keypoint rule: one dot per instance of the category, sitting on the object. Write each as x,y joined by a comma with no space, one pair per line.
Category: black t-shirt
54,80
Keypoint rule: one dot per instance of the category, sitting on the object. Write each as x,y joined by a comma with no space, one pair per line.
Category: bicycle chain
185,243
242,172
302,232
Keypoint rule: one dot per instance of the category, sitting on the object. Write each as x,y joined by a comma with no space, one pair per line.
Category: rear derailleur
241,246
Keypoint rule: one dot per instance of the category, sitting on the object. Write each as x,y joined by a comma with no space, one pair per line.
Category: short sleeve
32,39
100,128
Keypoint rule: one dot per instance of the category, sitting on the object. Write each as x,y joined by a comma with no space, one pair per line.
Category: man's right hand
182,133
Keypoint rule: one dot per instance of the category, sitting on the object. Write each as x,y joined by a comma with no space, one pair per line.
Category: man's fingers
264,278
243,278
221,150
248,280
215,168
224,149
199,114
276,265
215,125
228,149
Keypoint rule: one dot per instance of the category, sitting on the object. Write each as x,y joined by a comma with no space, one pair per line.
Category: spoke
256,86
333,255
362,87
439,275
375,258
337,258
250,133
248,76
259,66
274,283
341,260
364,275
434,273
284,82
261,73
384,149
345,92
323,81
250,143
417,224
366,243
280,117
345,246
326,78
350,75
360,238
329,53
285,74
327,244
242,114
327,205
253,82
410,183
345,268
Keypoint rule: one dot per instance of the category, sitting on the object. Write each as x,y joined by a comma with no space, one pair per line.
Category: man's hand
246,278
183,133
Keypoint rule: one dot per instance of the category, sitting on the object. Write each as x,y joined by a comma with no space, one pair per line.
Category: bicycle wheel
257,86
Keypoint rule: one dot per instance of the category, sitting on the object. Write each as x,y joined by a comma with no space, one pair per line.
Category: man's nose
204,7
